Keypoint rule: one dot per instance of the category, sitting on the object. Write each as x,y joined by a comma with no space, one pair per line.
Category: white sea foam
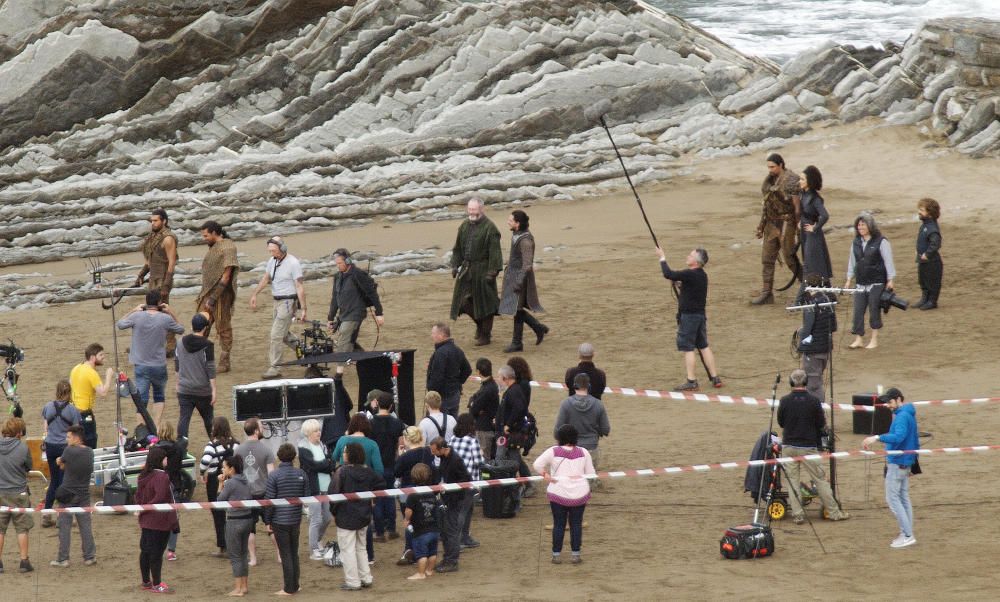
779,29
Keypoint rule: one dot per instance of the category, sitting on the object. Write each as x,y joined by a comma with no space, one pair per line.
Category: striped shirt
215,452
468,449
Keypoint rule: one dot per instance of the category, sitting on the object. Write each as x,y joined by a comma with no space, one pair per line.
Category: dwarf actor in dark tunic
218,287
815,254
778,220
159,249
929,266
692,325
519,291
476,261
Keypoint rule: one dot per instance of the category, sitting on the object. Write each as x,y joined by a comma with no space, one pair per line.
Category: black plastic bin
500,502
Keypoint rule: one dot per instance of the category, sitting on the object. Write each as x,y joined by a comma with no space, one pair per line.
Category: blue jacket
902,435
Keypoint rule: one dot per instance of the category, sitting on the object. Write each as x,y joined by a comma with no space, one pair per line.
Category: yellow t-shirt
84,381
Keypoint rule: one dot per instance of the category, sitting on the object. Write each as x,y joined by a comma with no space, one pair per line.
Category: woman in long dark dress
815,255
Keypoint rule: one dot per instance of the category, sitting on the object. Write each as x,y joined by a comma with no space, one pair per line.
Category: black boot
924,298
485,332
540,329
515,342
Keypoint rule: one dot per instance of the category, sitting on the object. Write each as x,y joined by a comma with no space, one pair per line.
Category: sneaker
575,559
162,588
906,541
89,561
60,563
687,385
147,586
271,374
716,382
798,519
840,516
470,543
367,585
171,555
350,588
316,555
899,539
26,567
556,559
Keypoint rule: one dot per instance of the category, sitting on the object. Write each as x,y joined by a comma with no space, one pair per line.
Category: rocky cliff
275,116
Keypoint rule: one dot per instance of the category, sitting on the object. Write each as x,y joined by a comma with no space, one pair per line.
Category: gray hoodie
233,490
15,462
588,415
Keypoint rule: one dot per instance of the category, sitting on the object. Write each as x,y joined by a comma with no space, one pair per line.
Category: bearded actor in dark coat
519,291
475,262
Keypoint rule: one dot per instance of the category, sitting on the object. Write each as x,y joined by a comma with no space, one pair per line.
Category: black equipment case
747,541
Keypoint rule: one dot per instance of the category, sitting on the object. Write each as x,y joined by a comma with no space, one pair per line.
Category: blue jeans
52,453
151,376
385,509
559,515
897,495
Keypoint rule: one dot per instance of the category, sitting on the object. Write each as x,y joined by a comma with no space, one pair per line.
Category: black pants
52,453
929,276
287,538
152,545
89,425
560,514
218,516
190,403
521,318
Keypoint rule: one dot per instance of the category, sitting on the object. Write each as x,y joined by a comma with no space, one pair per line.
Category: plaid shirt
468,449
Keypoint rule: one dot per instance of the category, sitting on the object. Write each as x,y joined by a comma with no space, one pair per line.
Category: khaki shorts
22,522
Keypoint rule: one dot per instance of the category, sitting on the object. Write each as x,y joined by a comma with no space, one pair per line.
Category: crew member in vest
160,252
816,335
778,225
284,273
871,265
354,291
929,266
218,287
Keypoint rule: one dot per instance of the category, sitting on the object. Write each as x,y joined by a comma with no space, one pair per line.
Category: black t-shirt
694,288
422,519
386,431
78,466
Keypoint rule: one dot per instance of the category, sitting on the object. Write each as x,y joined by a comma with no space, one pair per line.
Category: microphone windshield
597,110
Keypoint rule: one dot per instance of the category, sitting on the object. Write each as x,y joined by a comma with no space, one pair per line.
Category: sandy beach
649,537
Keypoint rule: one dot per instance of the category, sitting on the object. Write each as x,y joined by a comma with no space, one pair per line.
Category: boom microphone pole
596,113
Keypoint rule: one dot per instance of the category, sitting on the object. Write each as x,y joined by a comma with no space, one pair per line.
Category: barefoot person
871,264
239,521
692,325
420,520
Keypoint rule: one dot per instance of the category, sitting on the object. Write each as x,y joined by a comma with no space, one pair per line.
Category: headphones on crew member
345,255
282,245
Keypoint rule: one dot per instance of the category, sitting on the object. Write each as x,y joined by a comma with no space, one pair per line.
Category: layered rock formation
274,116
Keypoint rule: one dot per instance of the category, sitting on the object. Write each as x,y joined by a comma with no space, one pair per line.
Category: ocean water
780,29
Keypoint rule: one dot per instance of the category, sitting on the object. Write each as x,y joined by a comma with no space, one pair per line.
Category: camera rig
314,341
12,355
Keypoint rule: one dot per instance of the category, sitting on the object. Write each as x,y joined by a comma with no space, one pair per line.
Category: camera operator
284,273
150,324
802,418
354,292
86,386
871,264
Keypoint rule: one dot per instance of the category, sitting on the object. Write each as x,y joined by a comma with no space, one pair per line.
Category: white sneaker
907,541
316,555
899,539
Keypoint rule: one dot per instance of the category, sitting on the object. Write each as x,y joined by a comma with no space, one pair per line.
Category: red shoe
171,555
162,588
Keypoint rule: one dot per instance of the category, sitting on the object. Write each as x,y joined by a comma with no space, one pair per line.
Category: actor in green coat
475,262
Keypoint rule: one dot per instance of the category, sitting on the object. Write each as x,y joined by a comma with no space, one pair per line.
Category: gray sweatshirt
233,490
15,462
195,365
588,415
149,336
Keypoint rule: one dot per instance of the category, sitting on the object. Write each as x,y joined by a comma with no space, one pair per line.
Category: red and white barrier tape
753,401
446,487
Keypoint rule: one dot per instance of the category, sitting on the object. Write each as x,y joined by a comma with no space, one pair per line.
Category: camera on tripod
12,353
314,341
